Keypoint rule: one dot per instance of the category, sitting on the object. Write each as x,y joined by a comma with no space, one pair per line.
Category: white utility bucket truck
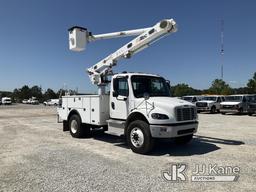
138,105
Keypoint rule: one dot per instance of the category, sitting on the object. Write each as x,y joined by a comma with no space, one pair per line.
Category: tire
105,128
76,128
213,109
250,114
139,138
223,113
184,139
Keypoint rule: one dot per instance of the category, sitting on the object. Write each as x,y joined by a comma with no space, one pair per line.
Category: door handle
113,105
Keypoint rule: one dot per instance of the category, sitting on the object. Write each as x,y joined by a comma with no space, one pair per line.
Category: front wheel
213,109
139,138
240,110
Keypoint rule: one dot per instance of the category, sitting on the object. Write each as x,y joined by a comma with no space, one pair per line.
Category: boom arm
79,37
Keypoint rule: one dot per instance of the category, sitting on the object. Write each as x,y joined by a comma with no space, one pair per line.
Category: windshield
234,98
187,98
210,98
252,98
154,86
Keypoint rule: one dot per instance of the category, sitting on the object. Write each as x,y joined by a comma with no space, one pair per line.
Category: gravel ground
35,155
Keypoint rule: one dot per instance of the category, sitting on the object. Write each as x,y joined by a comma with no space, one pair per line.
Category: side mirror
115,94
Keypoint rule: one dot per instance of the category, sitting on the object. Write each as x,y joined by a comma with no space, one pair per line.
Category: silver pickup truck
235,104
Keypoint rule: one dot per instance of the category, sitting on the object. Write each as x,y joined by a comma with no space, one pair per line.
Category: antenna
222,47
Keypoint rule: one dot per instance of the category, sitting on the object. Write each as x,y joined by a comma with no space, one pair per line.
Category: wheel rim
137,137
74,126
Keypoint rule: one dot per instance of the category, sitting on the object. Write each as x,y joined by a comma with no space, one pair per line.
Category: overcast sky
34,41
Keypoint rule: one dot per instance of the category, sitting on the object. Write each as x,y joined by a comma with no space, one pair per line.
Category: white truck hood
206,101
230,103
168,102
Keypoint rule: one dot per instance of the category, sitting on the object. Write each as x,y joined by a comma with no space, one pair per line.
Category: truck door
245,104
218,103
119,98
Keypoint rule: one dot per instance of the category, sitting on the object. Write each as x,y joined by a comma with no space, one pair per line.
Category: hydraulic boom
79,37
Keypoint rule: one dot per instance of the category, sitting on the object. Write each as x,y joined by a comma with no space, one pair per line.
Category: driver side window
121,86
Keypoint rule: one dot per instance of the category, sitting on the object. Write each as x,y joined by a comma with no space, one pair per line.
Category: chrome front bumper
173,130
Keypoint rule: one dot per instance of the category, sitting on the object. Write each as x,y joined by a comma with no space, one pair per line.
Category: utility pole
222,48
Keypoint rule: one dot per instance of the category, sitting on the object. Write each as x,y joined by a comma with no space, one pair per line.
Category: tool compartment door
95,110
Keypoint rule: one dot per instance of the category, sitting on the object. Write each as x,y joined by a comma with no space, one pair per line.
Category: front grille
185,113
227,106
201,104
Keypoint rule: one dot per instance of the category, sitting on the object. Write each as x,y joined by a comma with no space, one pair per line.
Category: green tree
252,84
50,94
25,92
16,95
220,87
183,89
36,91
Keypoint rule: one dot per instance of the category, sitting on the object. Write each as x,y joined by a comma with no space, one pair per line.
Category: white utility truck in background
138,105
210,103
6,101
51,102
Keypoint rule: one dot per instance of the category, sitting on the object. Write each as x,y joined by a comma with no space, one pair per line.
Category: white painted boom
79,37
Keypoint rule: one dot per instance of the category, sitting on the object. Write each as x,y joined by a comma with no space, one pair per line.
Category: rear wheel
139,138
76,128
184,139
223,113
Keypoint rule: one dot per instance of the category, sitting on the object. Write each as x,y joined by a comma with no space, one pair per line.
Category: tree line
218,86
27,92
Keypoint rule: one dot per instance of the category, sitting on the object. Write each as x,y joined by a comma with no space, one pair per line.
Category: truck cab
139,106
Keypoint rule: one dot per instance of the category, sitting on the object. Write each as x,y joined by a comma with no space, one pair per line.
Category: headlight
159,116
